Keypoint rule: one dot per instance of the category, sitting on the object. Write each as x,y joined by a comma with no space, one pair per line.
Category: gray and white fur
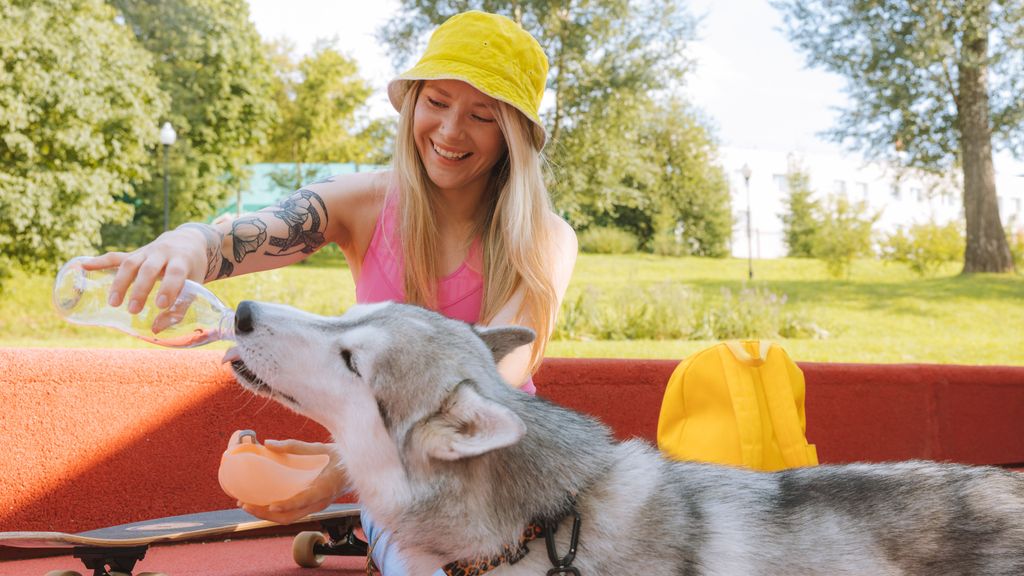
455,463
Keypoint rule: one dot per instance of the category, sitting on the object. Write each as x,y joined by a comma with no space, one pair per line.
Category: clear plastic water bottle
195,318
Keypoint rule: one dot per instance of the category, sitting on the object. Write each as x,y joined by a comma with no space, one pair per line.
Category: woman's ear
504,339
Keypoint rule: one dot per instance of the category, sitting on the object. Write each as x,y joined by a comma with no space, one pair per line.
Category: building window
895,190
781,183
839,187
1016,205
917,193
862,190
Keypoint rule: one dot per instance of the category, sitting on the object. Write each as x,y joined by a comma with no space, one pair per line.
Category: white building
902,199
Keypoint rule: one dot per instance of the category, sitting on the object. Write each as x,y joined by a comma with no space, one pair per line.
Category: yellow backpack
737,403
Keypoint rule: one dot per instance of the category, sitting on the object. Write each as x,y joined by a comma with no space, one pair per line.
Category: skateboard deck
115,550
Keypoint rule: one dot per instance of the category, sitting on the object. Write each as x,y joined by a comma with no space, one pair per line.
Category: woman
461,224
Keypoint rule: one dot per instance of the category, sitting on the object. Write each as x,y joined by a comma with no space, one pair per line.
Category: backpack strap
735,359
778,379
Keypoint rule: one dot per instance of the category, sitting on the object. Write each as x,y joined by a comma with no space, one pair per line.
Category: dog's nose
243,318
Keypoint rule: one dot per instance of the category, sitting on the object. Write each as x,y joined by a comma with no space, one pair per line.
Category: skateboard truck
104,561
310,548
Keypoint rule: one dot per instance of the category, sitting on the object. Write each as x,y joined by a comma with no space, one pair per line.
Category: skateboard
114,551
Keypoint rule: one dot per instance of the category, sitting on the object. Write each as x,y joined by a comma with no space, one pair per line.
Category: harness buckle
563,566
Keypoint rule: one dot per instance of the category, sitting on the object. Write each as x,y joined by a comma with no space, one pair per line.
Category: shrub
672,311
800,221
1016,242
844,233
602,240
925,247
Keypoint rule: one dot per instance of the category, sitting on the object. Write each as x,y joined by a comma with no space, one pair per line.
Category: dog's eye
350,362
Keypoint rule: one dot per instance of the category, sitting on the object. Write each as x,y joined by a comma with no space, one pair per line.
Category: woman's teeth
450,155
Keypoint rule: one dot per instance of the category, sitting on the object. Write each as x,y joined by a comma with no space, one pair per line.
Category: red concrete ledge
99,437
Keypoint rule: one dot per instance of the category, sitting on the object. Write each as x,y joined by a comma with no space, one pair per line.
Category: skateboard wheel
63,573
303,549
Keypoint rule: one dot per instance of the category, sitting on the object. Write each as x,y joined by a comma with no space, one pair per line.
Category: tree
799,222
78,119
322,101
210,62
609,60
691,191
931,85
844,231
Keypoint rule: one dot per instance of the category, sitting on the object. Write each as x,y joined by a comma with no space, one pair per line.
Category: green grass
883,313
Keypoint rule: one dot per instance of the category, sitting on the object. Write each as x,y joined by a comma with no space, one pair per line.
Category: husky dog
461,467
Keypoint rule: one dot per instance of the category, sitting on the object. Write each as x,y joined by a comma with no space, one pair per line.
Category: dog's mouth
252,381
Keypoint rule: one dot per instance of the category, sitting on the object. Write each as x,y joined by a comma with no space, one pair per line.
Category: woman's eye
482,119
350,362
436,103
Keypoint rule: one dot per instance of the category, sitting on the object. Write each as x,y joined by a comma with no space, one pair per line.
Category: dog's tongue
231,355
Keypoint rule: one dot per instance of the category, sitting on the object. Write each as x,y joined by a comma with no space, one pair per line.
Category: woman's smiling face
457,135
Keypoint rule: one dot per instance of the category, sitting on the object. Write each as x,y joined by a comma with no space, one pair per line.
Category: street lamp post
746,171
167,137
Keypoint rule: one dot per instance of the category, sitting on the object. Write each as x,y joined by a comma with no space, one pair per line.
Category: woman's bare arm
332,210
515,367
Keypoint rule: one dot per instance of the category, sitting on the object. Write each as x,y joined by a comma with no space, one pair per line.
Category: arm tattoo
323,181
217,266
306,216
247,235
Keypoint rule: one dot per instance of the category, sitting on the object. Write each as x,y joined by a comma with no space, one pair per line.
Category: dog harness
561,565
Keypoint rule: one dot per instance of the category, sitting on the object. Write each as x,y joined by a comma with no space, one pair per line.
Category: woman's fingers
108,260
275,513
298,447
148,273
126,272
175,274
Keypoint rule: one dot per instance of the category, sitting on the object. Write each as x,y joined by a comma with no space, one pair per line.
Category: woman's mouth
448,154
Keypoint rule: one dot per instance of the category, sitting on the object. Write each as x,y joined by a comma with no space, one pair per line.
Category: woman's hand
175,256
325,489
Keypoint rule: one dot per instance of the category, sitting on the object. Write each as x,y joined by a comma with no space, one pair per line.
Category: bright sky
749,80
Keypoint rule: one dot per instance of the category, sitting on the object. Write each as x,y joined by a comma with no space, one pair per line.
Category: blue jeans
384,553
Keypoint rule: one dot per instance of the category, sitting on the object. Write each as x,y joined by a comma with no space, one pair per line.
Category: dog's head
428,380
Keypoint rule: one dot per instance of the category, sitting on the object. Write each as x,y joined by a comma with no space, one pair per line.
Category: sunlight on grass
884,313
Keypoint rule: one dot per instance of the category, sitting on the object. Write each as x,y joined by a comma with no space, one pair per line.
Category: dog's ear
504,339
469,425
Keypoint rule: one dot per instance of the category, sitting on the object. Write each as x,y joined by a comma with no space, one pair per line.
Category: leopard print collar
510,555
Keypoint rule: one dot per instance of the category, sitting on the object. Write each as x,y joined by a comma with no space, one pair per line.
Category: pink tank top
459,294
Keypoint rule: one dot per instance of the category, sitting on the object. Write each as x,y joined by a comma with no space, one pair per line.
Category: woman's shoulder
560,231
353,203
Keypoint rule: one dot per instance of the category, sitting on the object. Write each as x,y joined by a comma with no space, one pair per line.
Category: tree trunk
987,249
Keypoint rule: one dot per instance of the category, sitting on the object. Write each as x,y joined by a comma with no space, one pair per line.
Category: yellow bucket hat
491,53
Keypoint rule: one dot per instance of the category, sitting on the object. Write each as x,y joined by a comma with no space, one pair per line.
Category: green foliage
902,59
210,62
321,100
674,311
884,314
931,86
78,118
691,192
925,247
603,240
1015,240
844,233
799,222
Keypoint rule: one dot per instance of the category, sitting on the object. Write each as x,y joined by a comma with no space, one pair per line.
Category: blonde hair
515,231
